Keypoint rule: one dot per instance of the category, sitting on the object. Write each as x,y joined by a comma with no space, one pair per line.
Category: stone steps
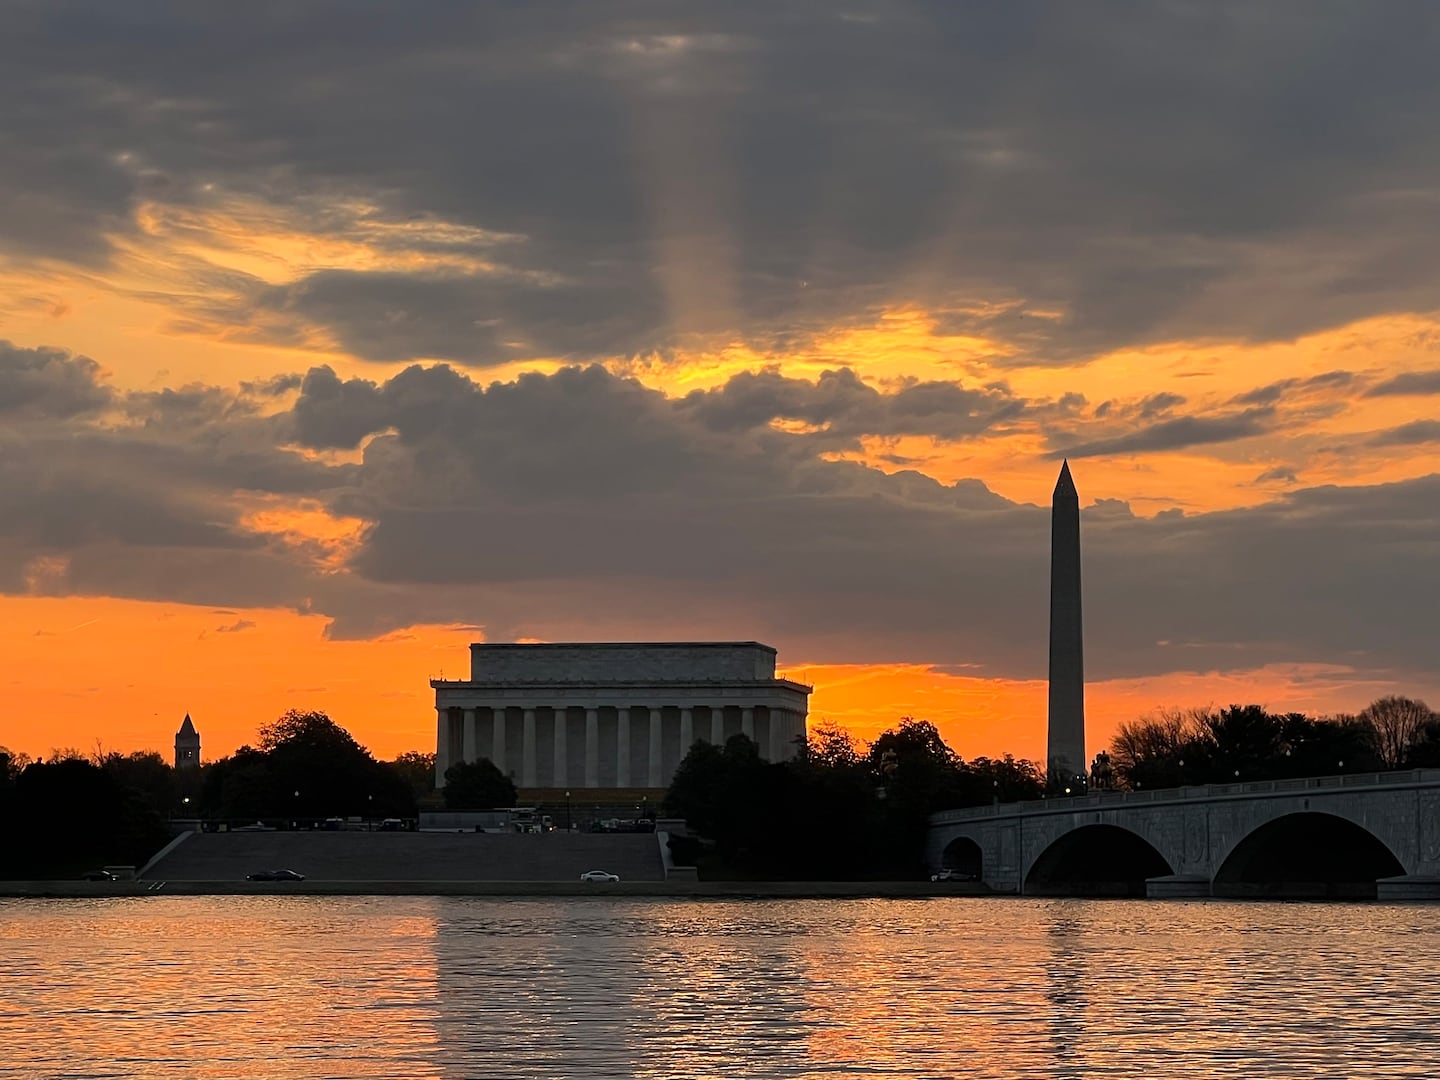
405,856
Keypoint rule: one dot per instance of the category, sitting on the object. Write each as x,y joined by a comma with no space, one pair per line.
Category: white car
598,875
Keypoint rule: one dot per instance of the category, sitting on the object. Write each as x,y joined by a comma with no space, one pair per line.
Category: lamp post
568,827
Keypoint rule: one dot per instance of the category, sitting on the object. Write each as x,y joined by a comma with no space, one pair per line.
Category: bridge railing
1400,777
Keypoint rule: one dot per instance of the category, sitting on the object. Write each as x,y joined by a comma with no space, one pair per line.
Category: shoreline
855,890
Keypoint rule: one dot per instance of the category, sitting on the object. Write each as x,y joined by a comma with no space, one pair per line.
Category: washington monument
1065,753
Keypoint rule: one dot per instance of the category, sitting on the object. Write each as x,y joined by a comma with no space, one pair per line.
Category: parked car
598,875
275,875
952,875
97,875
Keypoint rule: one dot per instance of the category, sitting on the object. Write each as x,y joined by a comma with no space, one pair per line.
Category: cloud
1415,433
48,384
582,503
1409,382
1281,474
1289,389
1176,434
612,179
846,407
238,626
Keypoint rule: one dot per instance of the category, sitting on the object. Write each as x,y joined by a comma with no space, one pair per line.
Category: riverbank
731,889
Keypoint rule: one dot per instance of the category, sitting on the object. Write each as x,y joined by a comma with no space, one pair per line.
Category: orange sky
119,675
90,670
218,226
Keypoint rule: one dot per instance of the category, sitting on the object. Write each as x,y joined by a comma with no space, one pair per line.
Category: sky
336,336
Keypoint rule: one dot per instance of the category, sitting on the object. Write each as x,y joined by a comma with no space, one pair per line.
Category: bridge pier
1177,887
1408,887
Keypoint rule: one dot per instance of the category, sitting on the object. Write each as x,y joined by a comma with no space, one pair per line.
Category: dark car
275,875
97,875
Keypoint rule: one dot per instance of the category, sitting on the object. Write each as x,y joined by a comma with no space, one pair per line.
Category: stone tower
187,746
1065,752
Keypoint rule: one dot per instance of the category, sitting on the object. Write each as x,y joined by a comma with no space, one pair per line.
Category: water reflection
454,987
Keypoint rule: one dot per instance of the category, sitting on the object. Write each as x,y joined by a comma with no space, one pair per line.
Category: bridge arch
1305,855
965,855
1096,860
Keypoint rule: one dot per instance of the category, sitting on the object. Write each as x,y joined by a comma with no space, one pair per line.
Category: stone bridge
1363,835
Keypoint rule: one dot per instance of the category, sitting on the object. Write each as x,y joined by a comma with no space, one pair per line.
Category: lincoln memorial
612,715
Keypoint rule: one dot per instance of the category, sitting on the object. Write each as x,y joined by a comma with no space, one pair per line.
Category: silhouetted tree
1397,724
418,770
307,767
146,773
1425,752
477,785
59,816
1240,742
834,811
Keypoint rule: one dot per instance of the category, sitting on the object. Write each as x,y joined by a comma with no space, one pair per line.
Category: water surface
476,987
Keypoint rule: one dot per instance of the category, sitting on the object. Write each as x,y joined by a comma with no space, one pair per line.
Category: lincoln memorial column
527,749
717,724
592,747
778,721
561,773
622,746
442,744
467,744
657,766
747,722
497,740
687,731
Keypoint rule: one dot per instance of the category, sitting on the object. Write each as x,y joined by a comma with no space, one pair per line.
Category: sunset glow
293,414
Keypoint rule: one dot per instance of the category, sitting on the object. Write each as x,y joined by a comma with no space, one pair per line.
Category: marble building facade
612,714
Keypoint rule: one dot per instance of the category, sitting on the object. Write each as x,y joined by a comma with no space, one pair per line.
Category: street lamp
568,827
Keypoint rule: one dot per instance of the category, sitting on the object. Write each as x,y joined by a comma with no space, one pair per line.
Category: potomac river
310,986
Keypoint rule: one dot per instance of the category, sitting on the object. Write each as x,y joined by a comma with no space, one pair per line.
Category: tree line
1247,742
71,812
837,811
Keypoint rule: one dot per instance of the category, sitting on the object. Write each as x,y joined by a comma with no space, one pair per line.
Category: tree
418,770
146,773
1425,751
1397,724
830,746
312,731
58,816
1147,752
307,767
477,785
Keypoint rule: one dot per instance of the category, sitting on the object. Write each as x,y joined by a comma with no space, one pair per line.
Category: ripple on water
292,987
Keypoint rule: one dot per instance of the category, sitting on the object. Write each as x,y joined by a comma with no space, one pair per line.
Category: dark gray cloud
1281,474
1415,433
585,504
1175,434
1410,382
1192,169
474,320
1288,389
848,407
41,383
